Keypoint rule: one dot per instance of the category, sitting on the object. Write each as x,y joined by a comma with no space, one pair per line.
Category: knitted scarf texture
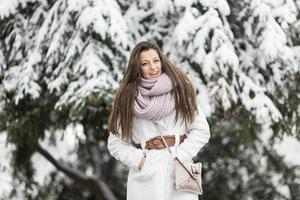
161,101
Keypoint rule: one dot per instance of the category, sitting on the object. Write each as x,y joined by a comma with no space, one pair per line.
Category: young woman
155,98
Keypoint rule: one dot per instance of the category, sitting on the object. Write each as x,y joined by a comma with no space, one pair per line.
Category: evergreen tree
61,62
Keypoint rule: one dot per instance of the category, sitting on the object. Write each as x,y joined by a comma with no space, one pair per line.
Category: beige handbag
187,174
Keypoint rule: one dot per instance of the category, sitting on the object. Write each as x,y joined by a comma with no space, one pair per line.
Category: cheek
144,71
160,68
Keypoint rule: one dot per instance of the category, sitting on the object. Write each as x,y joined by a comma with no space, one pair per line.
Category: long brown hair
121,117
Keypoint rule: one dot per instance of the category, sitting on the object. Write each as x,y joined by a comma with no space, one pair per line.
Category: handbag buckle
195,169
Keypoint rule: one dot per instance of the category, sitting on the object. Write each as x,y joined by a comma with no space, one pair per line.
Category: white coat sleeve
198,135
124,151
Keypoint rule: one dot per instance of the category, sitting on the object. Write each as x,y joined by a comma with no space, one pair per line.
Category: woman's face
150,64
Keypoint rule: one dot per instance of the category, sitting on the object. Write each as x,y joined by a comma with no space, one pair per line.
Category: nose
152,65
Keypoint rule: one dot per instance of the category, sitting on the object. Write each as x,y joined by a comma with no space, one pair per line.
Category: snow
8,7
289,147
5,169
97,15
23,79
183,3
271,41
286,12
64,149
43,31
181,32
226,55
162,7
221,5
263,107
76,5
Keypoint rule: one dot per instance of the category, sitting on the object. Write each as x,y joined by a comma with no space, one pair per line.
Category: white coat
155,181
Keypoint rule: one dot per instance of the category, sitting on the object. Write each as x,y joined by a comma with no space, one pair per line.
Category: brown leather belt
157,143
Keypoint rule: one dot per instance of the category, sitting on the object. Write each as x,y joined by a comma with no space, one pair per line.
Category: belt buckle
157,140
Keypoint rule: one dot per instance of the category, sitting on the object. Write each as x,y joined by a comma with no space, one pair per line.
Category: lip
154,74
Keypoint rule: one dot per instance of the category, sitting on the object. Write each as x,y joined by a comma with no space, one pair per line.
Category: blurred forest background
61,62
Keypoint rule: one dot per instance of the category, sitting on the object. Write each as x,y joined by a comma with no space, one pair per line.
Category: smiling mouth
153,74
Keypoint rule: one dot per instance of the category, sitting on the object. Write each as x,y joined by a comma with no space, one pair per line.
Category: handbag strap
163,139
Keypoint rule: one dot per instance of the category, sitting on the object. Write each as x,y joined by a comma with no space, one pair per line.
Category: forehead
148,54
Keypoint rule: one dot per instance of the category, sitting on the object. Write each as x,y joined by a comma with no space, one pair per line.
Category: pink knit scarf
161,100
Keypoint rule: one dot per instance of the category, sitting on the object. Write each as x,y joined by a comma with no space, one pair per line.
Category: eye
157,60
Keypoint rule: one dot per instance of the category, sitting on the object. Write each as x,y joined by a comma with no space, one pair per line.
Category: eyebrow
152,59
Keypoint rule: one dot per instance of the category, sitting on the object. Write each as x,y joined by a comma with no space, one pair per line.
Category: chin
154,78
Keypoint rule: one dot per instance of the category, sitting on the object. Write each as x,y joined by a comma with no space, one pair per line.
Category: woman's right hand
142,162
